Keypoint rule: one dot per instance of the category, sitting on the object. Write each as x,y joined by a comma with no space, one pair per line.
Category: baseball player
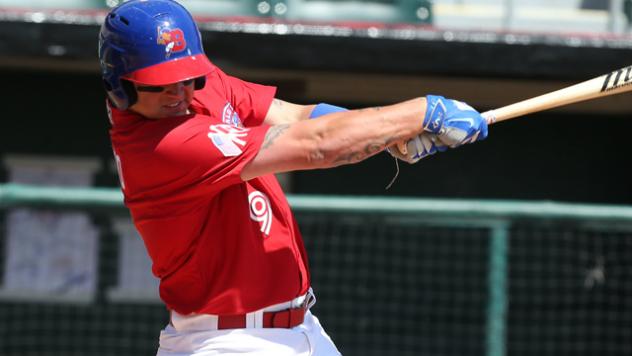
196,151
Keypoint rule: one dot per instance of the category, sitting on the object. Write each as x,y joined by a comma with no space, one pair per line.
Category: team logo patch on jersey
172,39
228,139
260,210
230,117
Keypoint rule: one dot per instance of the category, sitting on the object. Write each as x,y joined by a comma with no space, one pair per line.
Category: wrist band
324,109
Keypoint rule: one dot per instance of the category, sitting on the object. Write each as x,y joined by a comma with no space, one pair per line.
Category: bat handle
489,116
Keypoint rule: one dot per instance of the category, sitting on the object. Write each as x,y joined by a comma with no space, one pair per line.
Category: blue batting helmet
151,42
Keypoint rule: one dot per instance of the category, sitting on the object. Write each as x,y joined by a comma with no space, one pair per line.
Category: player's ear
200,82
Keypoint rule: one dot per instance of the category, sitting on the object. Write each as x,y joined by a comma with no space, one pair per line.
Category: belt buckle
310,299
292,316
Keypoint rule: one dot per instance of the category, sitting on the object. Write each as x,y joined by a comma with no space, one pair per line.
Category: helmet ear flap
107,85
121,102
200,82
130,91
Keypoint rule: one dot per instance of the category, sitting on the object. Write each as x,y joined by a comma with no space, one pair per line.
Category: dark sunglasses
158,89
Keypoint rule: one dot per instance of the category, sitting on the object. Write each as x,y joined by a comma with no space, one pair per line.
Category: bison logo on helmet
172,39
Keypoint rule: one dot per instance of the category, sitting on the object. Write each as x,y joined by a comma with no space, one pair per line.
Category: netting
387,283
49,319
571,291
387,287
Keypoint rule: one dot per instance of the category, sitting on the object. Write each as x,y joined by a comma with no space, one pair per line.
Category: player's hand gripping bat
618,81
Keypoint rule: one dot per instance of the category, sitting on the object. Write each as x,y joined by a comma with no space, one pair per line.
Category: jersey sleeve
216,153
191,159
251,101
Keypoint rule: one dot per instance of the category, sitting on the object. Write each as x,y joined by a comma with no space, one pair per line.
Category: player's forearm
336,139
353,136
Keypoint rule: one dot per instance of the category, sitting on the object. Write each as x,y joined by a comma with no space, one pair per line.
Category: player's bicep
285,148
283,112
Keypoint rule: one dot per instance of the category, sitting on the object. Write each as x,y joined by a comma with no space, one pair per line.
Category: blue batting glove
454,122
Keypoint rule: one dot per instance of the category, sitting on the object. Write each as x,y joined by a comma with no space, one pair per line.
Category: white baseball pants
307,339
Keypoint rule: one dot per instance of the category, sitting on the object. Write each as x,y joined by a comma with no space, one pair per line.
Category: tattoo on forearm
277,102
350,157
372,148
369,150
273,133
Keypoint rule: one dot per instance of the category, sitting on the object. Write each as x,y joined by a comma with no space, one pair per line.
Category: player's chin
175,109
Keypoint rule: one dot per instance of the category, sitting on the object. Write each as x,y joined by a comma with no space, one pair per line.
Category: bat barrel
616,82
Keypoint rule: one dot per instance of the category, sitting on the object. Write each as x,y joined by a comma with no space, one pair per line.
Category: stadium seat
55,4
227,8
388,11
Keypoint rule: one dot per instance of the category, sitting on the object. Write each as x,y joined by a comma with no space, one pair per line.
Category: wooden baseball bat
618,81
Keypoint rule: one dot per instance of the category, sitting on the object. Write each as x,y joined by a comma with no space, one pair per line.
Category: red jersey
218,244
